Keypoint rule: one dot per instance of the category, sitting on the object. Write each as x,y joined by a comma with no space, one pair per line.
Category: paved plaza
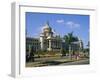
53,61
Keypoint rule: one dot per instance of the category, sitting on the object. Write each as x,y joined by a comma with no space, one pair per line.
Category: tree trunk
70,56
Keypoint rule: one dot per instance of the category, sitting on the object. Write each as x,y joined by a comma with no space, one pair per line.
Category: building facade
32,43
77,46
50,41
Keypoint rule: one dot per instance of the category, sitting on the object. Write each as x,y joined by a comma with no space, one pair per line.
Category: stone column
42,43
50,45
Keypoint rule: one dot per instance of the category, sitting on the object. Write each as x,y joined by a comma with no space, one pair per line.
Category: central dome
47,28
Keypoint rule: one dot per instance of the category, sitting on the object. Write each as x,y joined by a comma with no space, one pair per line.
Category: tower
80,44
47,30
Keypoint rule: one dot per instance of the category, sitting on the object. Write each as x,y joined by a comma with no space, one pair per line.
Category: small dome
79,38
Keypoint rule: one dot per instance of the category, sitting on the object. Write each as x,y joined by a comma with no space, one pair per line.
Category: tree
32,54
69,39
63,52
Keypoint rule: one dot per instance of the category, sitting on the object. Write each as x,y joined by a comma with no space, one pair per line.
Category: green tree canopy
70,38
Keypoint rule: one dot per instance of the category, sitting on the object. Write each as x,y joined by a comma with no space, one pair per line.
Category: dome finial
47,23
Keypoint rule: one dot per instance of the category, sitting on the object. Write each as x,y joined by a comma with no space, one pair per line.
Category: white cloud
60,21
72,24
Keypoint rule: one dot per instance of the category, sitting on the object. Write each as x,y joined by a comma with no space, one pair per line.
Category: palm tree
69,39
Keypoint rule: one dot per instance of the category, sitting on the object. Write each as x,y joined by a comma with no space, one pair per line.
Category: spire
47,23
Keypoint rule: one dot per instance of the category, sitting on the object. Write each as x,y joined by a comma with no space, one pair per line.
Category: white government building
49,41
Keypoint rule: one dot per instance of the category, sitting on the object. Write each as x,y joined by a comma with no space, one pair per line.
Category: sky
62,24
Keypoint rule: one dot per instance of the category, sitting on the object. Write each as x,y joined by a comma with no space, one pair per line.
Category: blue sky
62,24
